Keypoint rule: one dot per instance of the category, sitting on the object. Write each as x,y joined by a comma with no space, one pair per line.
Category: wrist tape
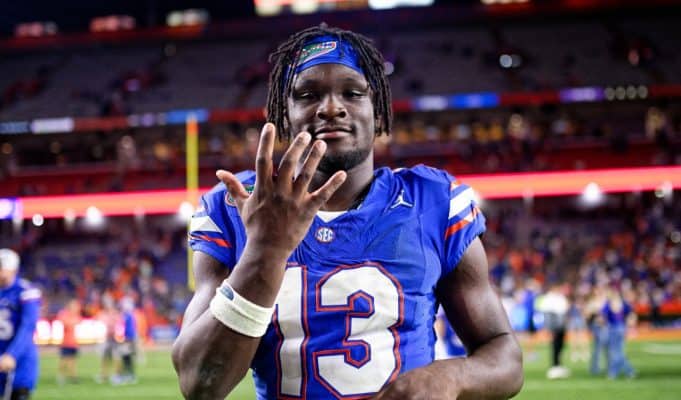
238,313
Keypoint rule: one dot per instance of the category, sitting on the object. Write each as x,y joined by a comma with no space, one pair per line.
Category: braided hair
287,55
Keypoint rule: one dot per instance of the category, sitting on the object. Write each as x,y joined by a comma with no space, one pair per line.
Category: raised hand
280,211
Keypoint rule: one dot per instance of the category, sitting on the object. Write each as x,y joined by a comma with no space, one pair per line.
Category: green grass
156,380
658,365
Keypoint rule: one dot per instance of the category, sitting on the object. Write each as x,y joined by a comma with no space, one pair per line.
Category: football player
323,274
19,310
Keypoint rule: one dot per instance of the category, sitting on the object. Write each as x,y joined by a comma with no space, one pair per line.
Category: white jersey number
6,326
375,330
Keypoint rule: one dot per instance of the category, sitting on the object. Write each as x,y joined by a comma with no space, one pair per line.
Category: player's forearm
210,358
259,273
493,371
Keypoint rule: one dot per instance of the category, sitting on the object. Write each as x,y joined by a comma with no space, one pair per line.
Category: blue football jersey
357,303
19,310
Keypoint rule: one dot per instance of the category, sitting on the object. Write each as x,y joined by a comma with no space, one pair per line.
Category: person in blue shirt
529,298
598,327
127,349
449,344
19,310
323,275
618,314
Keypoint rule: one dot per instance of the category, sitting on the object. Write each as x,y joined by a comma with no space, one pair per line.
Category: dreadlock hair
287,55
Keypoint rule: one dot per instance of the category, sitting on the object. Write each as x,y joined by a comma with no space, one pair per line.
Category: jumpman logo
401,202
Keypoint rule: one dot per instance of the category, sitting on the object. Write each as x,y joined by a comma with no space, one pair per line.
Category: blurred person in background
554,305
19,310
109,316
579,340
598,327
126,350
528,300
448,343
143,338
70,316
618,314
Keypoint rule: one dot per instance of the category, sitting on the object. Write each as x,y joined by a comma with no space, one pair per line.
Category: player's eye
353,94
304,95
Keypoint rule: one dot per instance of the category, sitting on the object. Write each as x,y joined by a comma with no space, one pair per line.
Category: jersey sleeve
465,222
215,227
30,310
212,228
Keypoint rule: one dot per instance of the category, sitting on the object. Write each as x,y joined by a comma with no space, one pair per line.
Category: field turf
658,364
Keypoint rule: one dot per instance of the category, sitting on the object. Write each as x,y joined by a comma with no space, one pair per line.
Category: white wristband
238,313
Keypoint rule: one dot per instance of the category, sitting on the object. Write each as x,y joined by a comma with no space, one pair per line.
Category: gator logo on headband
315,50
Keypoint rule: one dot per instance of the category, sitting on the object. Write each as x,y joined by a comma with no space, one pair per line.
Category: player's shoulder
28,290
24,284
424,174
422,178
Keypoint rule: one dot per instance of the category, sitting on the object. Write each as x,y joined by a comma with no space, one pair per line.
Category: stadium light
36,29
94,217
38,220
592,195
388,4
190,17
185,211
112,23
305,6
664,191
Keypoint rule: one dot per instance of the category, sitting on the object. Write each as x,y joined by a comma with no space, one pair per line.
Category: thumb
234,186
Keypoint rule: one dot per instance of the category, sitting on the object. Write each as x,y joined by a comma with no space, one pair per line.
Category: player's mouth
332,132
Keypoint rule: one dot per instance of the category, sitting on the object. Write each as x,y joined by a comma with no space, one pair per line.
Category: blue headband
327,50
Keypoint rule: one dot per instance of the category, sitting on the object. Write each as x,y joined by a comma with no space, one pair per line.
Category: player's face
333,103
7,277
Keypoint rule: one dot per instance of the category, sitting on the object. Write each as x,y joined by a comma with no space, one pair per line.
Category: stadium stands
165,76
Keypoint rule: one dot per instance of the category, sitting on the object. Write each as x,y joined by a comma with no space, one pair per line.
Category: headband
327,50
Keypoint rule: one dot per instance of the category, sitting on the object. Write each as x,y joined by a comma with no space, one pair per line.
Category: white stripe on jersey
462,201
30,294
203,224
471,215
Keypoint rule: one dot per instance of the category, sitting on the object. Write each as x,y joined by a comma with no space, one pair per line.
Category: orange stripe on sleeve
219,242
459,225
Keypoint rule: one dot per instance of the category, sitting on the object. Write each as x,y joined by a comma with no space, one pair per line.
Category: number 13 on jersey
375,329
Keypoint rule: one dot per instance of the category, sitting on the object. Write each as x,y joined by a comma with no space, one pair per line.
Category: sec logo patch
325,235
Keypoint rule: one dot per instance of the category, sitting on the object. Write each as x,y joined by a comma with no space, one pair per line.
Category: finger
263,158
309,167
234,186
290,159
324,193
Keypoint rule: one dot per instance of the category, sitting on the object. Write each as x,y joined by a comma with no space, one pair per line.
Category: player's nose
330,107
